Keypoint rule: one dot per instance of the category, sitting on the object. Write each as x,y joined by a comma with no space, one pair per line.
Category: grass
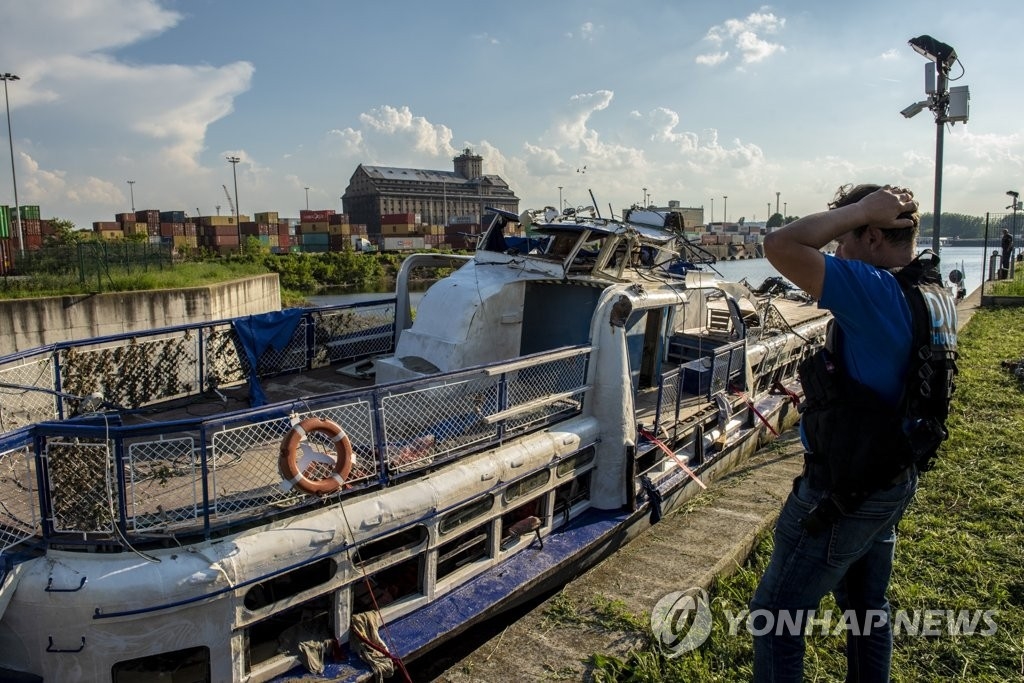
961,546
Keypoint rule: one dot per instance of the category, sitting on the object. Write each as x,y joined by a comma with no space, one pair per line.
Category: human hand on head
888,208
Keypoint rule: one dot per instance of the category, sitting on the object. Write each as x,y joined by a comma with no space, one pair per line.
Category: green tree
775,221
64,233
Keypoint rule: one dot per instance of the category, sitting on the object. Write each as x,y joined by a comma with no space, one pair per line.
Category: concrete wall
29,323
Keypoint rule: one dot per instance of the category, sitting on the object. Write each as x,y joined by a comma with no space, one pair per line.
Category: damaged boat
266,498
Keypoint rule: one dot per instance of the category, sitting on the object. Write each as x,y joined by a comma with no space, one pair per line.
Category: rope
668,451
750,404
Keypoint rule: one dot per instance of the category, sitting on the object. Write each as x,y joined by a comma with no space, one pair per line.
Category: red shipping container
398,218
30,226
34,241
339,219
317,216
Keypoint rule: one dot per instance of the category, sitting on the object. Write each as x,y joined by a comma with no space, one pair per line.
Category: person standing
866,425
1007,244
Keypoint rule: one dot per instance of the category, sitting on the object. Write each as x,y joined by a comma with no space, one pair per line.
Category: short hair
851,194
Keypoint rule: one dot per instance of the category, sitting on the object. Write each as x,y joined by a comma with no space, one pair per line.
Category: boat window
456,518
533,508
463,550
180,666
388,585
525,485
290,583
280,633
403,540
571,493
584,457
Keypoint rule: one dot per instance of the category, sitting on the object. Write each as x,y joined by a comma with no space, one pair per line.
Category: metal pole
238,223
10,138
712,211
942,96
776,203
725,210
560,200
131,189
307,198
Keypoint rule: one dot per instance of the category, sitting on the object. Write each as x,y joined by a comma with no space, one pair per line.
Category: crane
230,203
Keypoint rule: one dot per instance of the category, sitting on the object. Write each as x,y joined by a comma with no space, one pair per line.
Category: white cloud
746,36
424,136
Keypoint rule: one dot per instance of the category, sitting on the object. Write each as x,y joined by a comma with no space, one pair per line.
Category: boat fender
294,443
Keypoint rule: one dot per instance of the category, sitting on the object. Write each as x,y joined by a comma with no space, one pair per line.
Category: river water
971,261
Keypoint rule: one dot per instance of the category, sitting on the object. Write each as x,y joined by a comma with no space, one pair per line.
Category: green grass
961,546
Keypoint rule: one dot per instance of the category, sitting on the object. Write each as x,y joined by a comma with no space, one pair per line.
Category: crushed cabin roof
599,227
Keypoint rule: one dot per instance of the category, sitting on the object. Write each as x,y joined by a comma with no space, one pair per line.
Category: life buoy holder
297,455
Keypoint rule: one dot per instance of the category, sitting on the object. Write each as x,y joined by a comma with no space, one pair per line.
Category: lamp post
942,57
776,202
712,211
725,209
307,198
784,211
233,160
645,197
1013,194
769,211
17,209
559,200
131,190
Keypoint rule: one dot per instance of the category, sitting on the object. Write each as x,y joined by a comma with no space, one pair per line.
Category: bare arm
795,250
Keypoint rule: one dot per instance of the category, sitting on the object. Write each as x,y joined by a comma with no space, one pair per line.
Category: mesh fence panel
163,483
81,485
564,376
244,459
352,333
131,373
426,424
26,396
18,503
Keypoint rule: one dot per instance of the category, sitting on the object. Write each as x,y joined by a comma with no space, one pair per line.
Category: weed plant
961,547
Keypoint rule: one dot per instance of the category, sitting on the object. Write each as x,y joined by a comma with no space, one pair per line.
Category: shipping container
398,229
172,216
170,229
216,220
318,238
30,226
30,212
111,233
403,243
314,226
266,217
106,225
147,216
124,218
404,218
339,219
317,216
5,225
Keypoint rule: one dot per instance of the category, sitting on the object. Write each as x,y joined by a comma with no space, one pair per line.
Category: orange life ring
288,461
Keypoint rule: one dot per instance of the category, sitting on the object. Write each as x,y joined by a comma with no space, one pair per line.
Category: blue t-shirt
874,316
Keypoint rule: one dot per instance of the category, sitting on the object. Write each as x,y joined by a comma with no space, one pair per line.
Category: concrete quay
710,537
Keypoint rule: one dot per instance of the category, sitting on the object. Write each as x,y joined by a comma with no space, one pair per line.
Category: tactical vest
850,429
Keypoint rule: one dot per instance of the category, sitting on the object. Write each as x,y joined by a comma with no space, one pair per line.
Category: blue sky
694,101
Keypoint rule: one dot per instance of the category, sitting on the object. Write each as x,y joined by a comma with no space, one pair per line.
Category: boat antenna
594,202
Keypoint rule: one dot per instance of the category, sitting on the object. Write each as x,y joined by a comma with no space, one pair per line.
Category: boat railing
97,482
720,370
133,370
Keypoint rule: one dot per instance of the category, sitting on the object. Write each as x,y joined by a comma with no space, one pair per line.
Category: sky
732,106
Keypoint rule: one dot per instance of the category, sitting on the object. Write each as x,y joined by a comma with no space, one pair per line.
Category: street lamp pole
307,199
943,57
725,209
233,160
131,190
645,197
17,209
712,211
560,200
776,203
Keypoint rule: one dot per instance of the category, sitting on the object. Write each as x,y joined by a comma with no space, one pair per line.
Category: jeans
853,558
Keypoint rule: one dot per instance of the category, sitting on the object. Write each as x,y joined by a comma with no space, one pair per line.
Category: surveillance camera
914,109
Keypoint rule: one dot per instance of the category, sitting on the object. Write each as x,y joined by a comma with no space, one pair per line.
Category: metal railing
133,370
94,480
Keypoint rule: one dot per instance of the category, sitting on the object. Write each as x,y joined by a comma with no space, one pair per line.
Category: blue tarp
260,332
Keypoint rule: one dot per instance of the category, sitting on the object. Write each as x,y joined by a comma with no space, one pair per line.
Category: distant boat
547,402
